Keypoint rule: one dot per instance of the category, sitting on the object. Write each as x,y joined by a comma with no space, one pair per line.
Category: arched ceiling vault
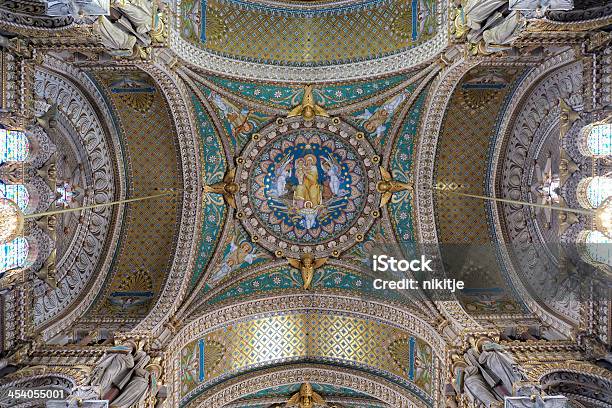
298,137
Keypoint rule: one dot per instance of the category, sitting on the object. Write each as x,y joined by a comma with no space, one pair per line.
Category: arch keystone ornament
307,186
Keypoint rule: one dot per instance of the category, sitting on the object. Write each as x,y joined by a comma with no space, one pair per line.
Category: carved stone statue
113,367
501,365
139,12
113,38
388,186
477,389
135,389
308,108
506,31
227,188
478,11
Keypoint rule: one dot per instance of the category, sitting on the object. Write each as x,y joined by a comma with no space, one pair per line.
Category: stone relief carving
523,91
80,262
31,13
380,389
536,122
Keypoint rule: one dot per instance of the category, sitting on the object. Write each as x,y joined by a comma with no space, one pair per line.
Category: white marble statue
506,31
478,11
134,391
501,364
112,367
113,37
477,389
139,12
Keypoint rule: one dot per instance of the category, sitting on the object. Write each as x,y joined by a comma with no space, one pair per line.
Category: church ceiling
247,121
296,139
302,38
293,36
462,156
313,336
148,237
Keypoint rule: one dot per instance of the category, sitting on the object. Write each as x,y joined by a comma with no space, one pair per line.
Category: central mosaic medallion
308,186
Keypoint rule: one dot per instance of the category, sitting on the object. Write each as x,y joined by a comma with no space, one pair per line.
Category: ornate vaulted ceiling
294,139
308,40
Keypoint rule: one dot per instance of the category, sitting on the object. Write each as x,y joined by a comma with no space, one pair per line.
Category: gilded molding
376,387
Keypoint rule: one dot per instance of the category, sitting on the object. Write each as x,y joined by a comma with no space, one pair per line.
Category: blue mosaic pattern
329,96
400,206
214,211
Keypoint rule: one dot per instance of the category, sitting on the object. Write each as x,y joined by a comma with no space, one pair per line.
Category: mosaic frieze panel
240,122
400,207
376,119
314,336
287,36
330,393
237,251
328,96
214,209
281,278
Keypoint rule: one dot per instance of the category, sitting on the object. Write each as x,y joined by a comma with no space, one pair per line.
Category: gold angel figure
308,108
307,265
568,117
306,398
227,188
388,186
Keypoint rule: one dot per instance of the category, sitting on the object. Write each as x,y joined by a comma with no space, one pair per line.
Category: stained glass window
13,254
14,145
598,247
598,189
17,193
599,140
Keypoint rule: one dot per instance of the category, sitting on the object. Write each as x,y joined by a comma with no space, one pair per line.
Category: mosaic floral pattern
329,96
308,186
400,206
214,211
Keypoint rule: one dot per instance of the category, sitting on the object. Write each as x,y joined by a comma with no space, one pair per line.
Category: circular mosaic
308,186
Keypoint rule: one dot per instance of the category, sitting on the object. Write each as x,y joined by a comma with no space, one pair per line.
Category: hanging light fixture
603,217
12,219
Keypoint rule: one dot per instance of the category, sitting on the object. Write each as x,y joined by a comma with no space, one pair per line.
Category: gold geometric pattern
301,38
462,156
315,335
149,226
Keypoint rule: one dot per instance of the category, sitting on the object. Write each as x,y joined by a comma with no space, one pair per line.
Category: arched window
599,139
592,191
16,193
13,254
597,247
14,145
